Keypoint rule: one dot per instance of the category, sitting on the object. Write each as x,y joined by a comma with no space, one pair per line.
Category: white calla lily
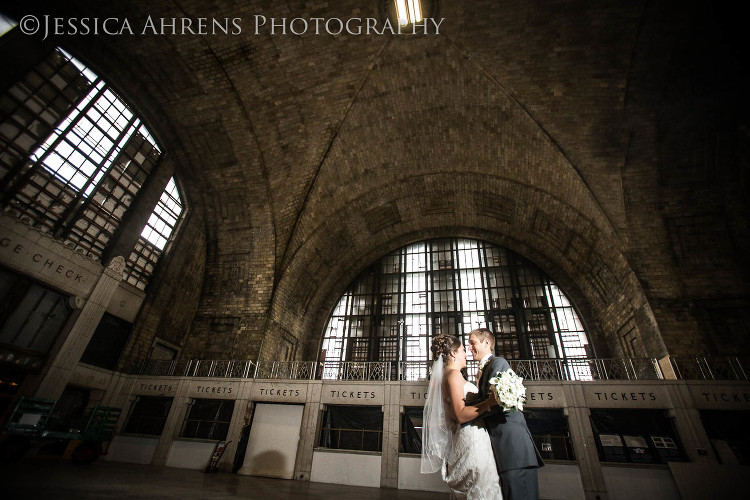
509,389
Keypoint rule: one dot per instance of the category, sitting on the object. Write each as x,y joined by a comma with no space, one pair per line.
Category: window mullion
374,327
553,311
82,201
484,280
401,305
457,300
24,156
21,181
522,331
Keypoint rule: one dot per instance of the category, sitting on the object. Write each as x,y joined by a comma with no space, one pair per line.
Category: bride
463,454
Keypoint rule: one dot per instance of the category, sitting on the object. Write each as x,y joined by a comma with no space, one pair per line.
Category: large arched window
392,310
73,158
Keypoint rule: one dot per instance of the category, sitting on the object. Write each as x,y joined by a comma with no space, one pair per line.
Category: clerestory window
155,237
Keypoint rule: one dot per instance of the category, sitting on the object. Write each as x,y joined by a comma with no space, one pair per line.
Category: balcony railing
293,370
219,368
685,368
711,368
557,369
357,370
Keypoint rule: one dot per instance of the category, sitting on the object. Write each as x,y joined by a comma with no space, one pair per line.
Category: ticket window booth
636,436
352,428
729,435
551,434
410,439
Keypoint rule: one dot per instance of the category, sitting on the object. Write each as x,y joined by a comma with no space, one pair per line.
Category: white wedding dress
469,469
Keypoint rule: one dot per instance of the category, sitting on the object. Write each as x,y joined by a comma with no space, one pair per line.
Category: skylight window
89,139
164,217
408,11
6,24
155,237
75,158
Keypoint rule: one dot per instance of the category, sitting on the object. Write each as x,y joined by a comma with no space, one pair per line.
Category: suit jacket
511,440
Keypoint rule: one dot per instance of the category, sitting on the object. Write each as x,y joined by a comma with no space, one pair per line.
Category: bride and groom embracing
482,451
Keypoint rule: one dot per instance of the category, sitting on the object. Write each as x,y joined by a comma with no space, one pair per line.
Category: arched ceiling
264,112
310,155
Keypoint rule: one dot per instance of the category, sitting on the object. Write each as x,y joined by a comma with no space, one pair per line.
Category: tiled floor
56,479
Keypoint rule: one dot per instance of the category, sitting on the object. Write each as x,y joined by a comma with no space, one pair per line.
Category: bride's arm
463,413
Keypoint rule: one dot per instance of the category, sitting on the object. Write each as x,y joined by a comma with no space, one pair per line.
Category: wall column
690,429
391,429
309,432
176,416
240,418
67,358
584,445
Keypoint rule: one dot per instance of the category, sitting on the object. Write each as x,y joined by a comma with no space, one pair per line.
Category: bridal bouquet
509,389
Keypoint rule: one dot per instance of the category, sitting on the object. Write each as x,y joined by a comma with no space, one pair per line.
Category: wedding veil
436,433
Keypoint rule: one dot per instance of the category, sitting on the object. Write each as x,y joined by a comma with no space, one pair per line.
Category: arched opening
392,310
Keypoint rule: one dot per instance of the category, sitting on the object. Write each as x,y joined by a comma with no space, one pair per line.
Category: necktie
479,372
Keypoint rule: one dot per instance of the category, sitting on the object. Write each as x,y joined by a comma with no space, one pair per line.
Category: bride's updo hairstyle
443,345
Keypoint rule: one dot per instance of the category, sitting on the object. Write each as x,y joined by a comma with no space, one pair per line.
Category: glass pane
452,286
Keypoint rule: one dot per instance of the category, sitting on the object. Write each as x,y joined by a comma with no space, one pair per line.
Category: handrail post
742,370
603,375
676,367
734,370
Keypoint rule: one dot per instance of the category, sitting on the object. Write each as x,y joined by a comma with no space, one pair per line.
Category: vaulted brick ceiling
313,155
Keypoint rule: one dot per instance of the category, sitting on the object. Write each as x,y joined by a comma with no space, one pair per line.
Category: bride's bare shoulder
454,377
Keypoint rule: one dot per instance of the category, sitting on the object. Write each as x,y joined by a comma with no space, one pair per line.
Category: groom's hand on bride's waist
473,399
493,398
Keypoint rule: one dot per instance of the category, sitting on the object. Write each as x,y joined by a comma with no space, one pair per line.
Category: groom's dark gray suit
516,455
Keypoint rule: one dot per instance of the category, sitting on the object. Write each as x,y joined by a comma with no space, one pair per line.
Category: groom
516,457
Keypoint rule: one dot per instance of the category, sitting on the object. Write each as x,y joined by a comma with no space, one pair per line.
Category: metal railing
556,369
588,369
581,369
357,370
711,367
293,370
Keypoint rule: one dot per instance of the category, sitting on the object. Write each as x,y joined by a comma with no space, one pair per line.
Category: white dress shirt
482,362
